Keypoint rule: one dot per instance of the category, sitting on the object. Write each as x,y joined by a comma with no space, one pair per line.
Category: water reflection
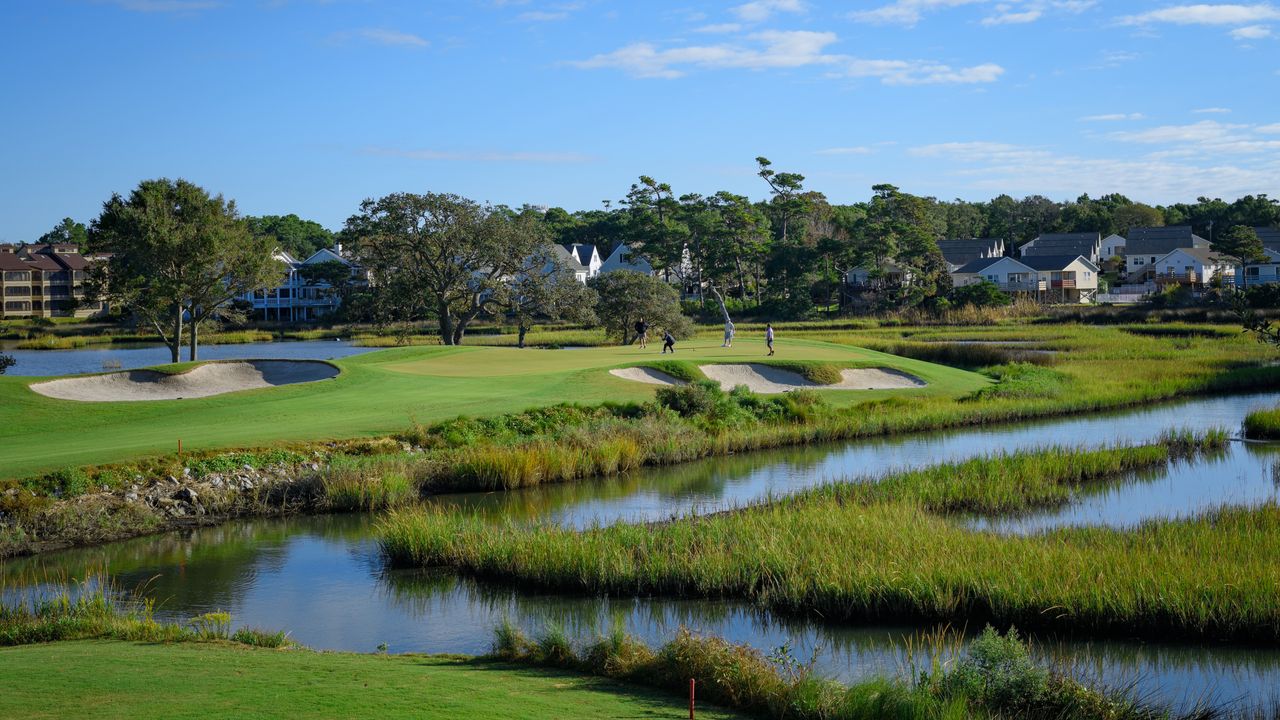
136,355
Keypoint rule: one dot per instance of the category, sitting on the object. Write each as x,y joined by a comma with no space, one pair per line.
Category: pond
322,579
128,356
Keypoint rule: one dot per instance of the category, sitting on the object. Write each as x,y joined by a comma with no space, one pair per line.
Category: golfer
642,333
768,337
668,342
728,334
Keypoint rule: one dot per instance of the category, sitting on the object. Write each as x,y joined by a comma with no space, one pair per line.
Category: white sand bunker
769,379
205,380
646,375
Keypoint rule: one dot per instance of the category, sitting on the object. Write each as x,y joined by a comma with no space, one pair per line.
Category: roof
1270,237
1161,240
977,266
1043,263
10,261
43,262
958,251
72,260
1204,255
569,259
1059,244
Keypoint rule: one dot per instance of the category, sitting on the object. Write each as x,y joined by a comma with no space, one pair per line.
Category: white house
298,298
587,256
890,274
1262,273
1146,245
1112,247
1193,266
1065,278
1008,274
622,258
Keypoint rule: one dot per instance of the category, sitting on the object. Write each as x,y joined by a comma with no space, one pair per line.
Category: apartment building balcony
1024,286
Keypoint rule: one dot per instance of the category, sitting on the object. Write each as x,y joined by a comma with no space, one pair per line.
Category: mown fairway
383,392
184,680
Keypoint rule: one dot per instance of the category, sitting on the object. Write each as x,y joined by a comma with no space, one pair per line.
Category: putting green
382,392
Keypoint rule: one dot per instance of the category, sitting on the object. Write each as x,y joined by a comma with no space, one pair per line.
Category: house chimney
337,248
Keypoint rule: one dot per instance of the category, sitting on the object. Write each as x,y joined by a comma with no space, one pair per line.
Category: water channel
322,579
127,356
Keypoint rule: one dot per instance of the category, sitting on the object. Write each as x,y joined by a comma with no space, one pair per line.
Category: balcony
1063,284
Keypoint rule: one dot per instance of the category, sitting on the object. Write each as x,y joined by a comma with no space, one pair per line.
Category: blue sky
309,106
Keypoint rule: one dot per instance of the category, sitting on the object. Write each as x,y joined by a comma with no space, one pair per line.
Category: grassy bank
1263,424
892,550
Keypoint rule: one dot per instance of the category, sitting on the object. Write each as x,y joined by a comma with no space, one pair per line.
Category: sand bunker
768,379
201,381
646,375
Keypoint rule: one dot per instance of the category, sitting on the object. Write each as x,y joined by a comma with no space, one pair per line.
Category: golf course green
386,391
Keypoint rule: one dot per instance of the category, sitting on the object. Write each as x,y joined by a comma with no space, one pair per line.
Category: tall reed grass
889,550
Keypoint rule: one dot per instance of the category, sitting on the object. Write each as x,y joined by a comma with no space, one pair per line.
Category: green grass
1263,424
874,551
378,394
198,681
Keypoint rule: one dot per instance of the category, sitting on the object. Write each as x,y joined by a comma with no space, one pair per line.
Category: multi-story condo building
44,280
302,297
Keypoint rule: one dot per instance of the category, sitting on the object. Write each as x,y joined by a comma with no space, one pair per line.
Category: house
45,280
891,275
1196,267
961,251
1085,244
1146,245
570,260
1112,247
623,258
1261,273
587,256
299,297
1064,278
1008,274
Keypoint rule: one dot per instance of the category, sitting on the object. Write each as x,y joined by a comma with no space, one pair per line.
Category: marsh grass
874,551
993,677
1263,424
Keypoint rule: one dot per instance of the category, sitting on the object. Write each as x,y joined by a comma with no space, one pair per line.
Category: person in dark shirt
668,342
642,333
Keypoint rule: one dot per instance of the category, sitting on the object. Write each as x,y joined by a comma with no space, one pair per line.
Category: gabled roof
1046,263
1203,254
1270,237
583,252
1161,240
325,255
1058,244
958,251
977,266
623,258
40,261
569,259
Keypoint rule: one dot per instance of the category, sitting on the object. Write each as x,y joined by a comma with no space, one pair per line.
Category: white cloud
758,11
1251,32
1002,167
719,28
1013,18
1212,111
486,156
1112,117
1207,138
1272,128
856,150
905,12
541,16
393,38
1206,14
783,49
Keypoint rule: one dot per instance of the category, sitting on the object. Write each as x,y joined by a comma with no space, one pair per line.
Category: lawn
383,392
97,678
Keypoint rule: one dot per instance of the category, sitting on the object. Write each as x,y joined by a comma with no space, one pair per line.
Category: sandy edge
767,379
207,380
646,375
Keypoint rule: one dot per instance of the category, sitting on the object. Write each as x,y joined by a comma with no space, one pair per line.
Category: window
1251,271
1153,261
17,306
1137,261
23,291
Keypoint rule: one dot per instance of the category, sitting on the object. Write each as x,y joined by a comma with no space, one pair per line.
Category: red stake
692,684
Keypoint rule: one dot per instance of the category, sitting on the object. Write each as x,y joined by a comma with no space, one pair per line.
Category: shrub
1022,380
690,400
997,672
212,625
260,638
1263,424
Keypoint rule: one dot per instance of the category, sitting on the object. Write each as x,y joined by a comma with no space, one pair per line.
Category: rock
186,495
173,480
248,467
131,497
186,472
11,492
106,489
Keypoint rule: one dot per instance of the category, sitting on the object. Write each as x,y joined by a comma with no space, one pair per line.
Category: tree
177,253
1241,244
300,238
6,362
789,200
979,294
334,273
69,232
546,288
627,296
441,255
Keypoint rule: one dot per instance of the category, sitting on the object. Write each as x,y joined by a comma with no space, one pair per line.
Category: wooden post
179,447
692,685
